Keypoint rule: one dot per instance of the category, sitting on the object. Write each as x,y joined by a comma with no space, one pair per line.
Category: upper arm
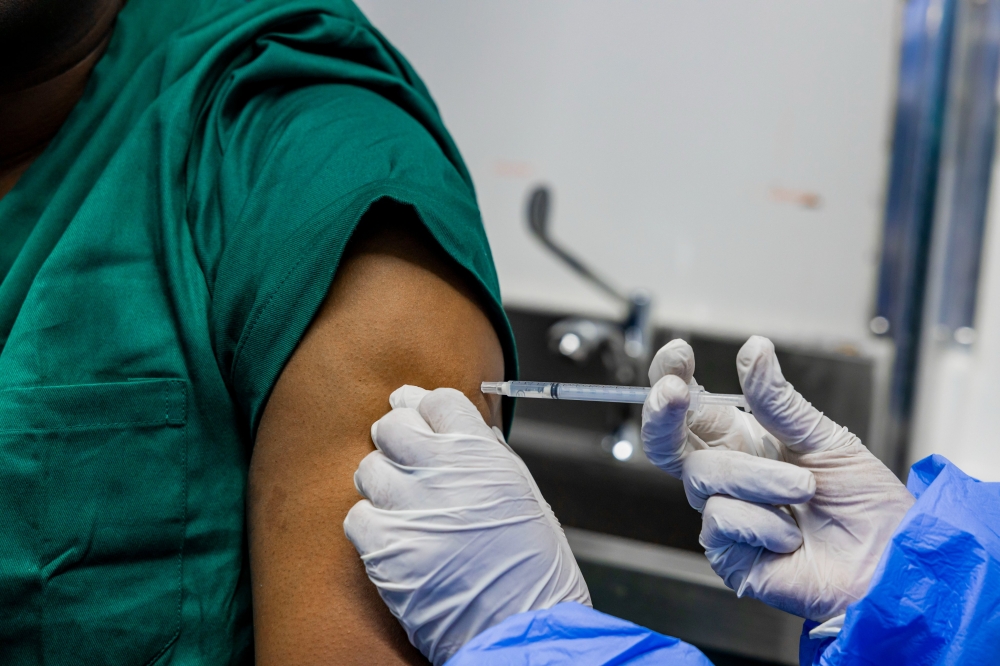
311,337
397,313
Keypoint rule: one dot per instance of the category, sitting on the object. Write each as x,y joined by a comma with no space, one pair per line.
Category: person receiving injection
796,512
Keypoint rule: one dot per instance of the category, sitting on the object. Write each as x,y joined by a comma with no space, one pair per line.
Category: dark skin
399,312
47,50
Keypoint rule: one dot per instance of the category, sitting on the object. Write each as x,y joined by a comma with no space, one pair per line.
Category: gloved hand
671,434
454,532
803,532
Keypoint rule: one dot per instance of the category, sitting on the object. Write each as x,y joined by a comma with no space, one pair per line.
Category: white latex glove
671,434
815,556
454,532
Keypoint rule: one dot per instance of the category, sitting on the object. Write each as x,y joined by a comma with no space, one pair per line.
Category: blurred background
818,172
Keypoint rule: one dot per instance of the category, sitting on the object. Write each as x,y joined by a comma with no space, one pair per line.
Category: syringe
604,393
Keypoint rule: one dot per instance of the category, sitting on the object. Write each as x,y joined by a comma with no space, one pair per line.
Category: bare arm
397,314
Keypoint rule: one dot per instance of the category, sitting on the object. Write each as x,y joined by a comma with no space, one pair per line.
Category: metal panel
966,165
923,75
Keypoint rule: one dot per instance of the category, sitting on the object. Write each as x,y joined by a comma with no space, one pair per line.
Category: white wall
674,132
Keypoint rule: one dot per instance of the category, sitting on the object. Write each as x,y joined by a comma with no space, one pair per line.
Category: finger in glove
727,520
779,407
398,431
406,438
677,358
713,425
448,410
361,527
674,358
407,395
746,477
383,483
664,426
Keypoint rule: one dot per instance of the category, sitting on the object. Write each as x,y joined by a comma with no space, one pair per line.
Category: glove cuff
829,629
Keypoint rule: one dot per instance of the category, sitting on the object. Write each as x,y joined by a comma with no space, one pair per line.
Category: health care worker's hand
674,439
802,532
454,532
670,434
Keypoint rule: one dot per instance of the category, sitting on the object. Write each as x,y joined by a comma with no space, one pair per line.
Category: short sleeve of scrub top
298,169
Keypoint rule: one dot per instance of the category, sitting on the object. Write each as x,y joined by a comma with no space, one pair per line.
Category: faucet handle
636,325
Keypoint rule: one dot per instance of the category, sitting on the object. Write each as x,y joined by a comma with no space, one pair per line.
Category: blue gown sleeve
570,633
935,596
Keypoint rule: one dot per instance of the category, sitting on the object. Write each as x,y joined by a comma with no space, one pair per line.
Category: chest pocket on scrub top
92,508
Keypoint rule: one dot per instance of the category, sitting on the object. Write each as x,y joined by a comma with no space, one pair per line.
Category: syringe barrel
530,390
600,393
566,391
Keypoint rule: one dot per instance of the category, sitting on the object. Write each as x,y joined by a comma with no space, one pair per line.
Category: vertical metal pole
920,108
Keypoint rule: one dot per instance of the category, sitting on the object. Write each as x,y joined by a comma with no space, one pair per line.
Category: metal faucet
624,346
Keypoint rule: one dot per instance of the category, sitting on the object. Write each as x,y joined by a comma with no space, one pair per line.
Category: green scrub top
159,263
